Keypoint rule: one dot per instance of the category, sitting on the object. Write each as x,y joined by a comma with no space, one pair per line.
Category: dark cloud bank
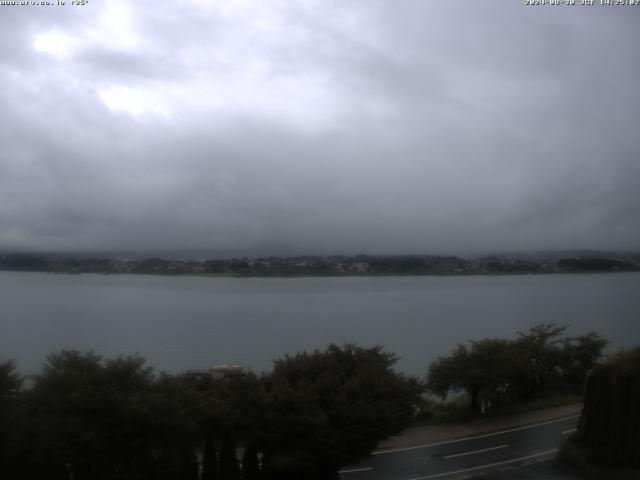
380,127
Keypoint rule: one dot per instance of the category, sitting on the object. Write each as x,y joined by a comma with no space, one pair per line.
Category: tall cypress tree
189,467
229,467
610,423
169,466
250,464
210,459
267,472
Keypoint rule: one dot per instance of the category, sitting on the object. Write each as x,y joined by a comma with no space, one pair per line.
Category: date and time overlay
44,3
586,3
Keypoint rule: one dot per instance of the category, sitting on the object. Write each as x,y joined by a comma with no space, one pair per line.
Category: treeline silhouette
85,417
495,373
321,265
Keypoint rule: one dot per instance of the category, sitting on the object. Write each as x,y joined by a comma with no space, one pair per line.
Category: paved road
465,457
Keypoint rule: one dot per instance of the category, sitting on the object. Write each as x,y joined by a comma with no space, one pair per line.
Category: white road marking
382,452
571,430
548,452
476,451
356,470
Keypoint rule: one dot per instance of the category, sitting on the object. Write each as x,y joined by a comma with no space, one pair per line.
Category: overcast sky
329,126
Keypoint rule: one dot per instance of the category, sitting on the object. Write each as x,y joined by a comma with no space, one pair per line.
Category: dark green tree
580,356
168,466
540,359
176,412
495,372
250,464
229,467
10,419
89,417
231,408
189,465
210,459
609,428
483,371
448,374
330,408
10,381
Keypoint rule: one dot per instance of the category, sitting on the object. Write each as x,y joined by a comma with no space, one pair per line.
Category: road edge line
457,440
504,462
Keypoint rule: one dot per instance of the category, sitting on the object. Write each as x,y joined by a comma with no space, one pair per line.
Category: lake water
179,323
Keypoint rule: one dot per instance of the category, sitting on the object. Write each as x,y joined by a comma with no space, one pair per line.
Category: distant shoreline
326,275
327,266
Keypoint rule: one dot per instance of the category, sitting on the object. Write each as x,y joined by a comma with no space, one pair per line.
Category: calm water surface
192,322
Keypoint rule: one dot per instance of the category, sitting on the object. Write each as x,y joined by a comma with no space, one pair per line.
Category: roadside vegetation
91,418
607,441
539,368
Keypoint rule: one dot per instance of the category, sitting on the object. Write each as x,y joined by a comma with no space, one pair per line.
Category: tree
229,468
90,416
609,428
10,422
581,355
231,410
189,465
540,359
10,381
250,464
331,408
210,459
482,371
447,374
497,371
175,430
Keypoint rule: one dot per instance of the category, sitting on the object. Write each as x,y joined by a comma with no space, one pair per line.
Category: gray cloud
324,126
